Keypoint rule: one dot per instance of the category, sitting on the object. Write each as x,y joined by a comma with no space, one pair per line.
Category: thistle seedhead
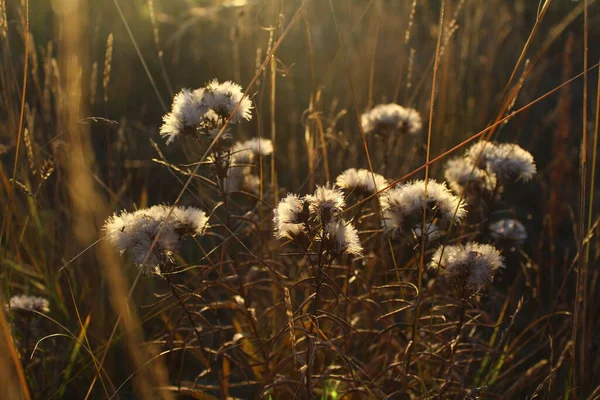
508,230
224,97
507,161
325,204
391,119
133,233
361,181
342,238
468,268
26,302
290,217
403,207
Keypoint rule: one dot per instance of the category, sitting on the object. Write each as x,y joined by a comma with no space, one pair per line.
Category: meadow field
299,199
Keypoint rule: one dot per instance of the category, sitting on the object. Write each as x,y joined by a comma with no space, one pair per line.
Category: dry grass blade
5,230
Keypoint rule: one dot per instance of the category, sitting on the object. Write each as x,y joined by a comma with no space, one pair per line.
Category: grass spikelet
154,25
290,317
107,65
3,20
47,169
28,140
409,72
411,17
93,83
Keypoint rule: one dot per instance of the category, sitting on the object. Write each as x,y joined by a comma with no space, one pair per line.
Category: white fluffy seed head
512,163
186,114
361,181
325,203
288,217
344,238
480,153
26,302
391,118
133,233
348,179
507,161
258,146
243,155
466,268
244,152
251,184
211,124
459,171
510,230
403,207
224,97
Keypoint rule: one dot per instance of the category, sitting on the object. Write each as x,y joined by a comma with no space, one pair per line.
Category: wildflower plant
360,182
135,233
389,127
403,208
508,162
391,119
466,269
317,217
315,223
203,111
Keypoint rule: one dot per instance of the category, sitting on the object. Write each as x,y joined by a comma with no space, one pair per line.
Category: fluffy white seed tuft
361,181
224,97
391,118
186,114
467,268
344,237
508,161
288,218
459,171
326,203
508,230
133,233
239,173
26,302
403,207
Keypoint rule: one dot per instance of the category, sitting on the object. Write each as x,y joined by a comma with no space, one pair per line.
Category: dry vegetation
253,276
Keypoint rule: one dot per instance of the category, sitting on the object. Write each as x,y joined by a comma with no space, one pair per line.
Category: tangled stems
207,357
324,261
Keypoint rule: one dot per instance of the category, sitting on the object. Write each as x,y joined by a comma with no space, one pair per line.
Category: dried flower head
481,152
251,184
239,172
343,238
508,161
223,99
459,171
403,207
326,203
510,230
244,152
391,118
134,233
186,114
290,217
361,181
211,124
26,302
467,269
512,163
